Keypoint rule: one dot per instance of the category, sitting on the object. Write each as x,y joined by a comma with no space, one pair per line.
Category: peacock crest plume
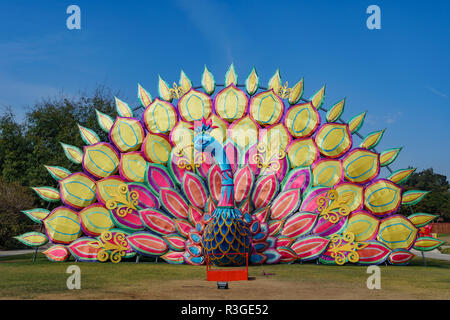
248,171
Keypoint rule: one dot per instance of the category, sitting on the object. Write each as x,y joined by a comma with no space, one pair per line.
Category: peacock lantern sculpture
249,172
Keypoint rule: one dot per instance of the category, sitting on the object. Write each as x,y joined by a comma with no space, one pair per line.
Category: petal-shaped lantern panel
382,197
208,82
122,108
355,123
283,241
243,183
286,203
266,108
164,90
72,153
127,134
185,82
132,166
361,166
401,256
351,191
257,258
318,97
252,82
273,256
302,152
32,239
299,178
195,251
299,224
275,227
374,253
401,176
107,188
422,219
145,199
326,228
397,232
157,221
173,257
244,132
275,82
327,173
100,160
372,139
37,215
287,254
174,203
388,156
333,139
427,243
160,116
273,140
83,249
156,177
47,193
147,244
231,76
309,203
194,105
182,134
262,214
335,112
195,190
180,162
144,97
104,121
310,248
296,92
219,128
184,227
58,173
156,148
126,218
363,225
57,253
195,215
214,180
231,103
175,241
77,190
302,120
88,135
413,197
95,219
265,190
62,225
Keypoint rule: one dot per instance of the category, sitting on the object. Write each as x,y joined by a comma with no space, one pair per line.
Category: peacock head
202,138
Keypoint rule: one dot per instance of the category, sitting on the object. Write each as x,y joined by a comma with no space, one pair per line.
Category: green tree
435,202
13,199
26,147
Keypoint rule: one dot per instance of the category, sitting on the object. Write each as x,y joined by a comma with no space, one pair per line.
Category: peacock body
222,175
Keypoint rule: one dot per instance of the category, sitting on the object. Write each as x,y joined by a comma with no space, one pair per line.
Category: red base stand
225,274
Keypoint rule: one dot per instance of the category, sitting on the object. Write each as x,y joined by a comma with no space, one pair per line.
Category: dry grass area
21,279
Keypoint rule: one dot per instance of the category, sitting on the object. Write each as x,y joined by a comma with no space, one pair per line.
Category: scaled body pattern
247,171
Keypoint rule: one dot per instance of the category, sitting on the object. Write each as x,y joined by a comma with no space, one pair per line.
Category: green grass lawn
20,278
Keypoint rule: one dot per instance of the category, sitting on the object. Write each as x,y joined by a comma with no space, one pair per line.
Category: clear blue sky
399,74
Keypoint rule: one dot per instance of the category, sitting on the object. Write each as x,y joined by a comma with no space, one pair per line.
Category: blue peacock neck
217,151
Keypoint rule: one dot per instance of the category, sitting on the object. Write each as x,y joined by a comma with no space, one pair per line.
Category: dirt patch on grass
259,289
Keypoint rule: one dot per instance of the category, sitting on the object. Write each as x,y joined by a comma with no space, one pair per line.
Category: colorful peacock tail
222,170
